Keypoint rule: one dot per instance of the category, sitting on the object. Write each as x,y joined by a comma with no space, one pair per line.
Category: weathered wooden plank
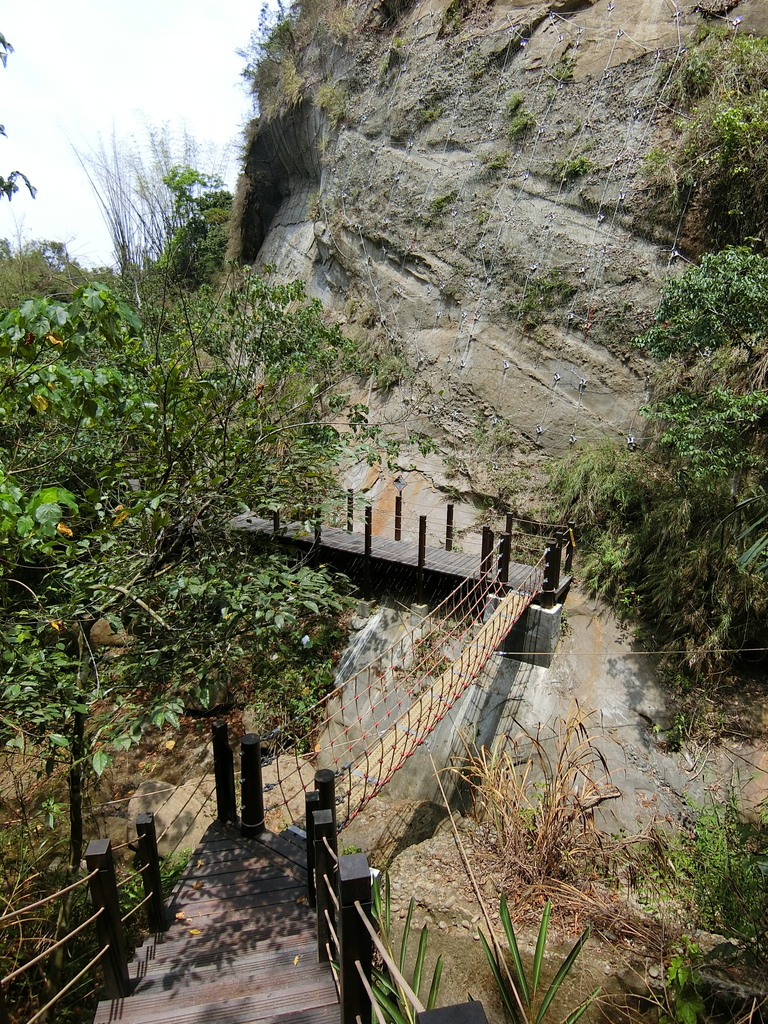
246,975
299,1008
449,563
229,937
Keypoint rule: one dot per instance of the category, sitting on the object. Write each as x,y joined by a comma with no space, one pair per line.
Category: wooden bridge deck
452,564
241,947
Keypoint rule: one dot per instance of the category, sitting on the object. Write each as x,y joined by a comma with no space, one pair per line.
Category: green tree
194,253
711,395
32,269
126,453
675,531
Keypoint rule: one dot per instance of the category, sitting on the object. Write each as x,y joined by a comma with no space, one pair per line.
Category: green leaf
100,760
420,956
49,514
435,986
541,942
517,962
562,973
581,1010
493,963
406,934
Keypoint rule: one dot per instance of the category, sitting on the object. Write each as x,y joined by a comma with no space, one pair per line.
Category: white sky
84,67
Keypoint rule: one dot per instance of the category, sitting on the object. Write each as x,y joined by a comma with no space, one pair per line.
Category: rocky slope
466,184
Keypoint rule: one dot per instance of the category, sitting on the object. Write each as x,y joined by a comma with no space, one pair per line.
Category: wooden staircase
241,946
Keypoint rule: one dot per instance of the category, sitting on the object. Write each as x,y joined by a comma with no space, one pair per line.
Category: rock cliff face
464,183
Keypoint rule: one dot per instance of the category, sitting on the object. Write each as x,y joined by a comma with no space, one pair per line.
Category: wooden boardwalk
451,564
242,943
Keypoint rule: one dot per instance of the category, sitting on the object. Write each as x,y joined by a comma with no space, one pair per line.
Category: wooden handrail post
510,523
422,556
350,509
368,548
449,528
276,521
109,928
398,517
505,548
354,937
251,786
325,784
224,772
311,804
551,573
471,1012
324,869
486,551
153,883
570,547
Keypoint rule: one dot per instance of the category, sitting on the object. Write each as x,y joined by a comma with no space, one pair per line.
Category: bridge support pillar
533,639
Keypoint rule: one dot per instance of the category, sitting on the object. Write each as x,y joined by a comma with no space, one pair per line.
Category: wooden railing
339,890
107,922
496,547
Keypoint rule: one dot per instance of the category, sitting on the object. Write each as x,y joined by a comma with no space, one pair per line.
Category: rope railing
392,967
51,949
46,899
70,985
366,728
107,919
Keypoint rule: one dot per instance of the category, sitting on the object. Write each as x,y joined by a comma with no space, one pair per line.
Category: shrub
570,168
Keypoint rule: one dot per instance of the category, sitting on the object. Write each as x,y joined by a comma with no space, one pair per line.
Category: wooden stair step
191,951
225,934
255,976
314,995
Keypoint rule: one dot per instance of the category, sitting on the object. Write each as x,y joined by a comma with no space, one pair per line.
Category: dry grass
538,792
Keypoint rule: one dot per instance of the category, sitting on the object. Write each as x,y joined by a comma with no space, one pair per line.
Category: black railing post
422,557
5,1017
570,546
224,773
510,523
354,937
325,784
551,573
311,804
325,832
109,928
471,1012
275,521
505,547
251,786
449,528
153,883
350,509
486,552
368,548
398,517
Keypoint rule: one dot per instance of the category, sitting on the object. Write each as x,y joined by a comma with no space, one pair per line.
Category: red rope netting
367,727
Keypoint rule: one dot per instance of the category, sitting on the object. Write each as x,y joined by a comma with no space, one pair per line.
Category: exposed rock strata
511,271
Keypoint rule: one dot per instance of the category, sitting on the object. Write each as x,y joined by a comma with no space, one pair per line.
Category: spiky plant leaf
421,953
509,931
580,1010
496,971
541,942
562,973
406,934
435,986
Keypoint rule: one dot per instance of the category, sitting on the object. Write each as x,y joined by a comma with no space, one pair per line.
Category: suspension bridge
263,907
